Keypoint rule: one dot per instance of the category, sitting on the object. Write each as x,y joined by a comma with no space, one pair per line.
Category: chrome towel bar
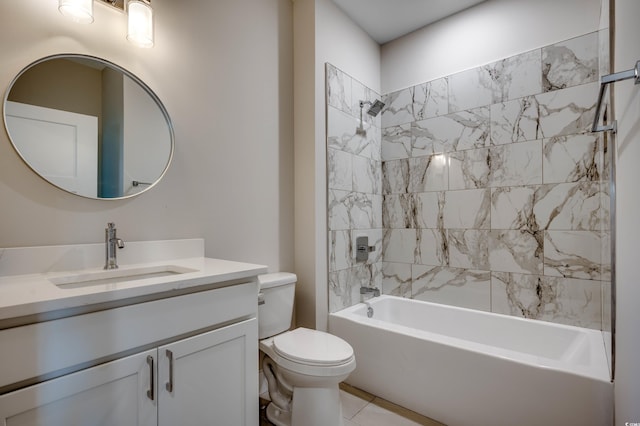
606,80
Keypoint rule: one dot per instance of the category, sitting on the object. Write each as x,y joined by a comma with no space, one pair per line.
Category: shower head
375,107
373,110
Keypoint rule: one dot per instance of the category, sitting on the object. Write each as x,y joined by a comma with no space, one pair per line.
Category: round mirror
88,126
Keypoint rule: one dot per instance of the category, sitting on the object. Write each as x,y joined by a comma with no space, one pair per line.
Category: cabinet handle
169,385
150,392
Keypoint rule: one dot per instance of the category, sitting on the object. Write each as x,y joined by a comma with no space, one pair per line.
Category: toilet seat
312,347
294,357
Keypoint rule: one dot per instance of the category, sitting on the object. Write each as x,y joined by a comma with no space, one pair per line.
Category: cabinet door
111,394
210,379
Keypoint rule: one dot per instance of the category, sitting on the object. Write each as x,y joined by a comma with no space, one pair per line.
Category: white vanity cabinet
184,360
110,394
203,380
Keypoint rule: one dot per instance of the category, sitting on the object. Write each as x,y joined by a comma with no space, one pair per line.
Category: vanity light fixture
78,10
140,25
139,16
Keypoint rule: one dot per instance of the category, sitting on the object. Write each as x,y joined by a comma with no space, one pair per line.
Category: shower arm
362,104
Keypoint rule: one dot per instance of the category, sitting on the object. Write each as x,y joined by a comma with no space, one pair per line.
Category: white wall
225,77
480,35
345,45
307,212
627,112
322,34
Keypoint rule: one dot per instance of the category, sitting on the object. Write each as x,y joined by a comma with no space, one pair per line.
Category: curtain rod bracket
604,82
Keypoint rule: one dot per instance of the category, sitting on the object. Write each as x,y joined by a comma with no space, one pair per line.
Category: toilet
303,367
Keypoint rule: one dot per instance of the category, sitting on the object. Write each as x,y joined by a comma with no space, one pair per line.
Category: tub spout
370,290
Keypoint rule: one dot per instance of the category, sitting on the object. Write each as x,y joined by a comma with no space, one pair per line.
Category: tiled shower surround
483,189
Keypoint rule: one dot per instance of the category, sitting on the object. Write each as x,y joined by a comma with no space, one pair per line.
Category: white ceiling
386,20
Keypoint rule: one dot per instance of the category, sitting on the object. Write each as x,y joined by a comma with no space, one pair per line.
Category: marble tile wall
495,193
354,188
482,189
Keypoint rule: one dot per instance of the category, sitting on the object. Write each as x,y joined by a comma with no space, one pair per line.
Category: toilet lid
312,347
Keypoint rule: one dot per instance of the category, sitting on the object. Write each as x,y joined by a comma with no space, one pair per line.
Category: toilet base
277,416
310,407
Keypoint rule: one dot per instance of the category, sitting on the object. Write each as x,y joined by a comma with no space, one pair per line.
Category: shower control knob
363,248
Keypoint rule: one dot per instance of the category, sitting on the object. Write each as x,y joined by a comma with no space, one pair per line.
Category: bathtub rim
597,369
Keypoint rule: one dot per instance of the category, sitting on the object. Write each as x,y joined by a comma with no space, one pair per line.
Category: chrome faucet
370,290
111,241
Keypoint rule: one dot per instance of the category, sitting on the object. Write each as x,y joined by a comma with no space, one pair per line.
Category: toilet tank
275,307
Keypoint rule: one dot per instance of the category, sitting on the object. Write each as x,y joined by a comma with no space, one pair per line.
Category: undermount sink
113,276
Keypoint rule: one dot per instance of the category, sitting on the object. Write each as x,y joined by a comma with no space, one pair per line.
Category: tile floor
360,408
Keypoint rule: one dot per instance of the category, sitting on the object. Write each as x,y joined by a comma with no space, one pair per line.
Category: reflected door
61,145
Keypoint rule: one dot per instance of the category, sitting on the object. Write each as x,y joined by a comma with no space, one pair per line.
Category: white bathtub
466,367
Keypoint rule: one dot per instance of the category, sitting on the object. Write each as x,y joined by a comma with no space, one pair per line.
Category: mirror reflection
88,126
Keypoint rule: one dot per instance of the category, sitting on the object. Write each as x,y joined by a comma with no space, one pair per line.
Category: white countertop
25,294
30,294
